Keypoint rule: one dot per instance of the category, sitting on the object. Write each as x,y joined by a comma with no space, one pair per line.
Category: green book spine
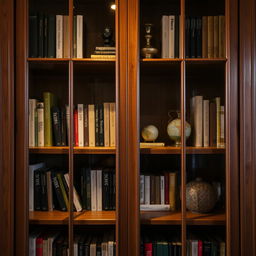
45,36
62,189
48,103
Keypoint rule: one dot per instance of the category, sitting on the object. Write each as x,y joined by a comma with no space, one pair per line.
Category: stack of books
104,52
158,192
56,243
208,122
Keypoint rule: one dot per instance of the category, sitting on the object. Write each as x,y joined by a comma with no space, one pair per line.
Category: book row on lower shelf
94,124
55,243
196,246
49,189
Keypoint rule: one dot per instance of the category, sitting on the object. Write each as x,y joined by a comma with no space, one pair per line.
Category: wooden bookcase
144,91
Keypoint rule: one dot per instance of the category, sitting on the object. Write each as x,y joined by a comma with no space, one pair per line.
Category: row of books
205,37
56,243
104,52
49,189
170,36
49,36
207,246
208,122
94,124
158,192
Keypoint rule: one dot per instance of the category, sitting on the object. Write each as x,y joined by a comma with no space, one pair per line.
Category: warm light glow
113,6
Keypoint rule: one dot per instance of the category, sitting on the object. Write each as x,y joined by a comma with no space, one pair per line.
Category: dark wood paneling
6,127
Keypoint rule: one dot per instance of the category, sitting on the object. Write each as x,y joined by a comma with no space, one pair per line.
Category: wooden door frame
7,127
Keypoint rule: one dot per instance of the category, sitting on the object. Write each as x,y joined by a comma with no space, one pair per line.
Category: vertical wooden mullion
183,138
71,125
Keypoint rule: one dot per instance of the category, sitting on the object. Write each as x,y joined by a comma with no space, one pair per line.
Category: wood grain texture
7,127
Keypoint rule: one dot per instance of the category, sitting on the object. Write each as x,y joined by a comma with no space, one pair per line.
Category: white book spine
99,190
222,126
75,249
80,110
93,190
162,189
32,127
142,189
171,36
165,36
198,116
112,124
59,36
194,248
91,118
218,130
155,207
110,248
79,36
106,125
206,123
40,116
147,189
68,119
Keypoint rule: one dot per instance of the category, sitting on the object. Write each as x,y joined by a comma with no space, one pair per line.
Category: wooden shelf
69,59
81,218
174,218
186,59
161,60
93,60
112,150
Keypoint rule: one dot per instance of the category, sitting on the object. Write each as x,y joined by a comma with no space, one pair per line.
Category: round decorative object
174,131
201,196
149,133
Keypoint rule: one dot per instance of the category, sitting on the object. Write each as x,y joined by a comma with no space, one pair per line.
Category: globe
174,131
149,133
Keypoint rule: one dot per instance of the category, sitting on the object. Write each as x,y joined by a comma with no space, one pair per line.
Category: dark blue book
199,37
56,121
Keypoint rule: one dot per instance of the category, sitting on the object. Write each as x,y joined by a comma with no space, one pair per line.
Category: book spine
93,190
86,127
152,190
59,36
49,191
37,190
97,125
206,123
177,36
171,21
165,36
216,36
105,48
44,196
213,125
36,127
166,188
75,37
101,125
114,191
51,36
105,192
46,36
222,36
112,125
199,37
172,190
188,38
99,190
32,128
222,126
95,56
48,103
66,36
142,189
105,52
200,248
41,36
210,33
157,189
68,121
91,118
63,127
40,116
162,197
147,189
56,126
148,248
62,189
106,125
76,127
218,125
80,109
88,188
193,38
205,36
79,36
39,246
83,187
198,121
33,36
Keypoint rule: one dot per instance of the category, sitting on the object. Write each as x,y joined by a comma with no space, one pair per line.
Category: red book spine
200,248
166,188
76,127
39,246
148,249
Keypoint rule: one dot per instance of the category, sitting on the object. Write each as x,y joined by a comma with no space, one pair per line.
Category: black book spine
37,190
193,38
114,190
187,38
56,126
101,128
83,188
80,248
110,192
87,249
199,37
177,36
41,36
45,36
105,190
88,189
98,249
97,125
44,197
33,36
207,248
52,36
57,190
63,127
